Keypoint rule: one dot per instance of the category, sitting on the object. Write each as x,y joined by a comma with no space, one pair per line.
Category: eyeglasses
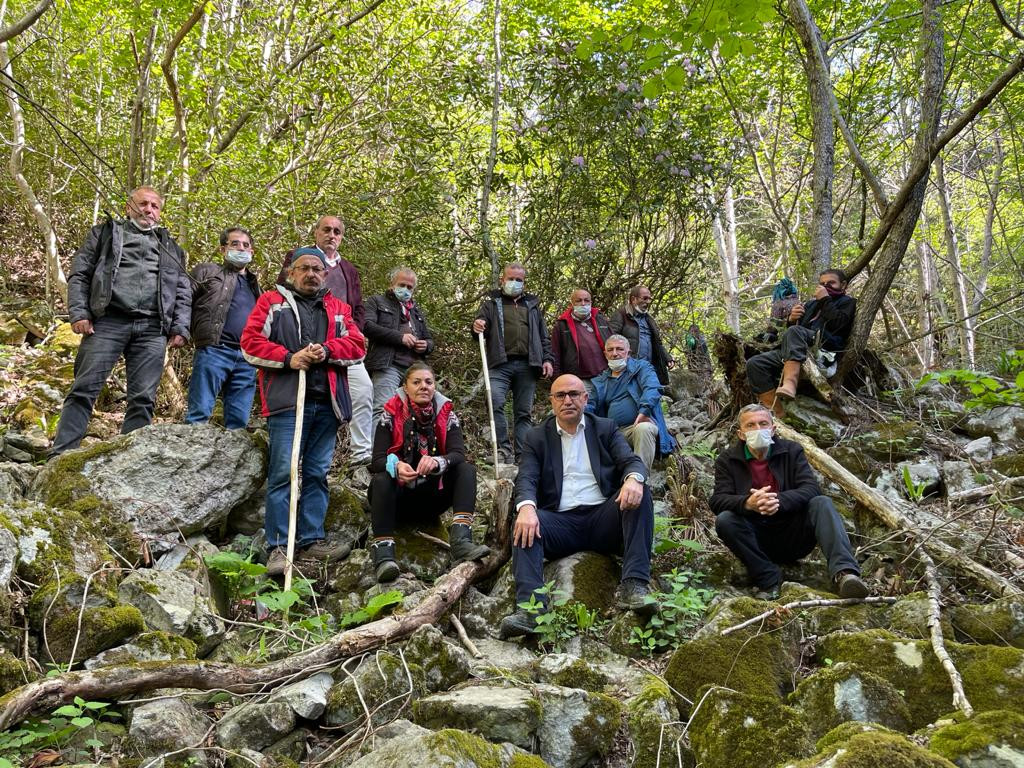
562,396
310,268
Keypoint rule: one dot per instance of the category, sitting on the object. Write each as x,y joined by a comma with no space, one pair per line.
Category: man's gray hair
635,290
512,265
394,273
750,409
617,337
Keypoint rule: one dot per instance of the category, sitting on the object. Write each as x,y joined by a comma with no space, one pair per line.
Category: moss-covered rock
844,731
382,678
347,516
585,577
444,665
993,677
149,646
619,634
989,739
13,673
652,719
854,460
908,616
733,729
101,628
569,672
845,692
872,750
891,441
576,726
1011,464
1000,622
498,714
449,748
826,619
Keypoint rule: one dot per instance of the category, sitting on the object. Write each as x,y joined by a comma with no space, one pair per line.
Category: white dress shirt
579,485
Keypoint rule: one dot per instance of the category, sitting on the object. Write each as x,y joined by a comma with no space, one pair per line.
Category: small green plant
680,607
670,535
561,619
56,731
986,390
372,609
246,584
915,491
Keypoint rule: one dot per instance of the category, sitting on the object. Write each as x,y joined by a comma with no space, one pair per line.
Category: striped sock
463,518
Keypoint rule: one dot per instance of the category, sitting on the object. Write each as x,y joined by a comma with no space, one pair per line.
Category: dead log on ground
115,682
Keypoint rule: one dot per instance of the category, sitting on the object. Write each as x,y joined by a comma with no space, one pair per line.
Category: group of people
583,473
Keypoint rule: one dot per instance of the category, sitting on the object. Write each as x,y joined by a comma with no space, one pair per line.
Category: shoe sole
308,558
388,574
859,590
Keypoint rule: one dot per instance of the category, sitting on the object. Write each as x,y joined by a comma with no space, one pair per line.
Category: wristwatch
637,476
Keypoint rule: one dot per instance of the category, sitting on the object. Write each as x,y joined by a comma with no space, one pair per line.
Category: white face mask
512,287
581,311
238,258
758,439
617,365
143,225
402,294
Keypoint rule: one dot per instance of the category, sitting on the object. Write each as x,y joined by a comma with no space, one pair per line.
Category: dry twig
819,603
461,632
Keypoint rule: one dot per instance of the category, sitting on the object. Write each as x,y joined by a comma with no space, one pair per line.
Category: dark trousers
143,345
763,370
762,542
425,502
598,528
518,375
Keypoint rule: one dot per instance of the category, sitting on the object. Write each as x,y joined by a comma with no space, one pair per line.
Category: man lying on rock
770,510
420,471
579,488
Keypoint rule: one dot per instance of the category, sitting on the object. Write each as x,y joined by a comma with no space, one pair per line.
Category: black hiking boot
384,561
460,540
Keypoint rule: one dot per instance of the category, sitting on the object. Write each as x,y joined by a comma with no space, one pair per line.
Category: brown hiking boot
277,562
790,379
849,584
324,551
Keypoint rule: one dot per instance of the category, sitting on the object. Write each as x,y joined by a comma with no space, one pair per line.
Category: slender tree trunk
985,265
492,151
137,142
931,58
965,332
823,134
926,290
55,274
725,240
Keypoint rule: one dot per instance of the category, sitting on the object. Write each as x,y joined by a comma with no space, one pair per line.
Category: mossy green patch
579,674
823,620
101,628
891,441
733,729
754,665
461,747
908,616
654,730
13,673
62,483
595,732
1011,465
992,676
844,731
875,749
984,731
845,692
167,644
1000,622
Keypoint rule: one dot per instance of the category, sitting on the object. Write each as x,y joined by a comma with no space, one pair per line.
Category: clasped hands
425,466
763,501
310,355
410,340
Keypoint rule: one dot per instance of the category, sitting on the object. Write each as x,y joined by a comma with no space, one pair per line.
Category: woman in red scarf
420,470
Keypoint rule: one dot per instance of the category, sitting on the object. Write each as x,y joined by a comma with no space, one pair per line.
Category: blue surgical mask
402,293
238,258
758,439
512,288
581,311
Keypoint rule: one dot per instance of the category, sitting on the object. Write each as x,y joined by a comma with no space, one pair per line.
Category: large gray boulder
449,748
166,480
443,663
383,681
1004,424
167,725
307,698
172,602
497,714
576,725
255,726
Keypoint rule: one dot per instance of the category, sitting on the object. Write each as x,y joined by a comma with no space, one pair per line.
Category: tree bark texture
965,332
492,150
723,228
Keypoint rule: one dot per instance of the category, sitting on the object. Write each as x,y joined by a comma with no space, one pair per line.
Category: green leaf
94,704
652,88
1019,381
584,50
384,600
5,763
626,44
68,710
94,743
675,77
598,36
279,601
82,722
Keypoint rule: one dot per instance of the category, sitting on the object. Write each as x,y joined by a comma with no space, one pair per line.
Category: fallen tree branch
817,379
981,492
898,515
931,575
818,603
108,683
461,632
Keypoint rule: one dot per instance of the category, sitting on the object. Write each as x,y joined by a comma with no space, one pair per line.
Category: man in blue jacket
579,488
628,392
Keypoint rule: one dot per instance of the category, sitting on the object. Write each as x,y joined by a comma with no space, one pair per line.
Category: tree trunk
55,273
492,151
931,56
823,134
965,331
985,265
16,28
137,141
725,240
926,284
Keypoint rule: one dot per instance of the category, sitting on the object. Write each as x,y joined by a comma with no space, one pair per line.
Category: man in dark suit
579,487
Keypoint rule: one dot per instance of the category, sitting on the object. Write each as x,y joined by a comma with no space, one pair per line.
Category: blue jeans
521,378
143,344
221,370
316,450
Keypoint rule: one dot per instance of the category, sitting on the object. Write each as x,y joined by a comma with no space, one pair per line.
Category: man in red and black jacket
297,326
577,340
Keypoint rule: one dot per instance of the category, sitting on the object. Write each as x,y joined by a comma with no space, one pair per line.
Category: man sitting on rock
628,393
770,510
579,488
826,319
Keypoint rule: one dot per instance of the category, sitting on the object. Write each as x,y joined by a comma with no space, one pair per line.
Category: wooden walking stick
490,404
293,497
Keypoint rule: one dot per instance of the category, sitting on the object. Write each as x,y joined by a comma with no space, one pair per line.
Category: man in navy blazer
580,487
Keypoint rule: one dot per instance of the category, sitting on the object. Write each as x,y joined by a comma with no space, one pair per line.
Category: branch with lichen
823,602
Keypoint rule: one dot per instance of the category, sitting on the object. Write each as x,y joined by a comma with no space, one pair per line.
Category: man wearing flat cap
302,326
